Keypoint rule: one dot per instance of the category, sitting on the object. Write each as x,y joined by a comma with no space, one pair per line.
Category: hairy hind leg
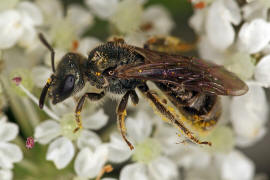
169,114
169,44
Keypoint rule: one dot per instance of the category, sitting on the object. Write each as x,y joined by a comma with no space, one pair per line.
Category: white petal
85,20
11,28
102,8
118,149
61,152
163,168
51,9
127,17
134,172
6,174
95,121
160,18
89,164
254,10
236,166
218,26
9,154
143,125
197,20
249,114
64,107
88,139
88,43
47,131
262,70
203,173
40,75
189,157
8,131
208,52
254,36
28,37
233,13
240,63
31,10
108,179
166,135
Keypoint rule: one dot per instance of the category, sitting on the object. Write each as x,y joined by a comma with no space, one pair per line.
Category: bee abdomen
200,109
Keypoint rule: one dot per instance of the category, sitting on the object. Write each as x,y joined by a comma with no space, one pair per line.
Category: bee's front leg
121,114
90,96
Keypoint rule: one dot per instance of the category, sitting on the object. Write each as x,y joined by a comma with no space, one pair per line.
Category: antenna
45,42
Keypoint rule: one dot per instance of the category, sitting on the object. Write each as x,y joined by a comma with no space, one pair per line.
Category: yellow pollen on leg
98,73
49,80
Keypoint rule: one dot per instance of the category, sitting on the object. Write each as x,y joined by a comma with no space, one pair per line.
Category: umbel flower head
229,34
18,25
221,43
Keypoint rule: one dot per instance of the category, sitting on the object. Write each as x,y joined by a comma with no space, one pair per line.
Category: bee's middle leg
90,96
121,114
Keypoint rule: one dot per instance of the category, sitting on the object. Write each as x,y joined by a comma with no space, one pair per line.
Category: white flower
159,20
221,15
18,25
9,152
79,18
87,44
89,163
262,70
149,153
161,168
128,16
6,174
235,166
197,20
65,29
60,131
102,8
256,9
254,36
61,149
249,115
40,74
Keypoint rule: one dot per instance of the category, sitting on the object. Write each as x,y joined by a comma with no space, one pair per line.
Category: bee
192,85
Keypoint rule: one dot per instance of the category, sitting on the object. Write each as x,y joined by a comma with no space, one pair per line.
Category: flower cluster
236,36
9,153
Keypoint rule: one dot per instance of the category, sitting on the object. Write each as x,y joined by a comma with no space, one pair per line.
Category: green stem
17,108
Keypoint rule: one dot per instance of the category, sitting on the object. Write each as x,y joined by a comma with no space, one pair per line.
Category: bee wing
189,73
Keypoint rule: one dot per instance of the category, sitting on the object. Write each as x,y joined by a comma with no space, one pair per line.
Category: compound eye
69,83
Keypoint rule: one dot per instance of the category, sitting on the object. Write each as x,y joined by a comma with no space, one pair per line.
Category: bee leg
134,97
117,39
90,96
169,44
169,114
121,114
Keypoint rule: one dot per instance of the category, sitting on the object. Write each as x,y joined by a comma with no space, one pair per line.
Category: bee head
67,78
